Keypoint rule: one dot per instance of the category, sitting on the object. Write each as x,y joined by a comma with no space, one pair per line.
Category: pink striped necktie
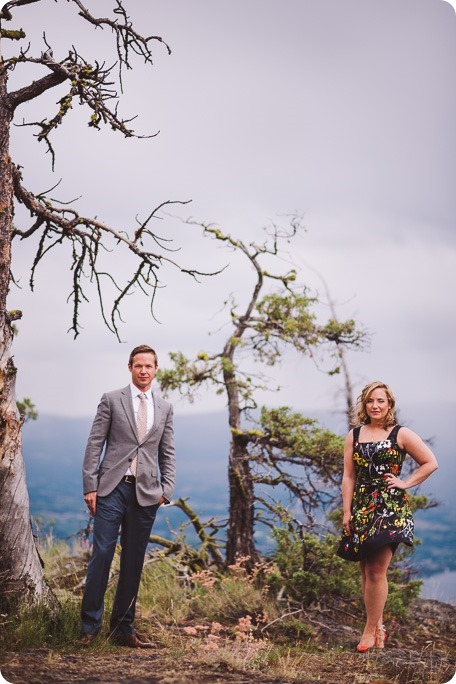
141,426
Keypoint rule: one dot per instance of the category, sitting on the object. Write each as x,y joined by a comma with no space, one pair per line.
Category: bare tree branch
86,235
5,11
126,37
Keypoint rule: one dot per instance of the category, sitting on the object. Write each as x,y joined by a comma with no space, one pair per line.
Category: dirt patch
125,666
394,666
420,651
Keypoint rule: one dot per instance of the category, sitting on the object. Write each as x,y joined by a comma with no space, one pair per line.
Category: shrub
308,570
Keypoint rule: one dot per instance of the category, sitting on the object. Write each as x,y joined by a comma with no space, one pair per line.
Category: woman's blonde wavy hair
359,414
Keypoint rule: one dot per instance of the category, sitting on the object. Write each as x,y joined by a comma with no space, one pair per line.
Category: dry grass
218,629
187,658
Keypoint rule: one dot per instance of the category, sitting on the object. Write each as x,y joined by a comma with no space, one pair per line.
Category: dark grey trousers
118,510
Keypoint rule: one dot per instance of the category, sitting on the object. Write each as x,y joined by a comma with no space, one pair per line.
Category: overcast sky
343,112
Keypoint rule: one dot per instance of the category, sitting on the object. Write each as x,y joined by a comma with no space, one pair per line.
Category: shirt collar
135,392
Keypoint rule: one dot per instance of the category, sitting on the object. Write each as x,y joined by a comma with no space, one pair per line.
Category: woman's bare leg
375,591
362,565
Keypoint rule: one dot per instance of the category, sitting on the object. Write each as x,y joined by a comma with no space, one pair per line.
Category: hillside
223,627
420,652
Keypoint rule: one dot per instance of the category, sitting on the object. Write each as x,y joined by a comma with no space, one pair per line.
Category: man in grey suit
135,476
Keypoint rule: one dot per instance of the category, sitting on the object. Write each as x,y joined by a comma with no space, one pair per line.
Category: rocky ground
420,652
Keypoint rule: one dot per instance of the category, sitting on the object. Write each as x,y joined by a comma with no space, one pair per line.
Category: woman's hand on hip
394,482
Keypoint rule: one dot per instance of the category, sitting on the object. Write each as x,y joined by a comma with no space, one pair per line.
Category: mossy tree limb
278,314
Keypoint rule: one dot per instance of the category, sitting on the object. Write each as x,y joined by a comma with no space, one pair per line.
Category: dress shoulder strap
356,434
393,434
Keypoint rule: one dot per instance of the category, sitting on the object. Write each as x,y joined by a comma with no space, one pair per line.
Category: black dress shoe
133,641
86,639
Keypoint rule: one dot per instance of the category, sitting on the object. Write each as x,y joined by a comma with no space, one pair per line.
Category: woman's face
377,405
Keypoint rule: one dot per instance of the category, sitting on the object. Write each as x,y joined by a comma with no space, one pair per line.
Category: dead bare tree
97,88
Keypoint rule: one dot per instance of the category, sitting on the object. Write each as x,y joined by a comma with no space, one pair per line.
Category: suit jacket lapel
127,403
158,410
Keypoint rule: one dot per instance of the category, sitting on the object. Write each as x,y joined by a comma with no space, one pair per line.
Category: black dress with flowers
380,516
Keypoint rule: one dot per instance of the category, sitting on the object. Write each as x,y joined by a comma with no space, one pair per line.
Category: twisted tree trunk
21,572
240,540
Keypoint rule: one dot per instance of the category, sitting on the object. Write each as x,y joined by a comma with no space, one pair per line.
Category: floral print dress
380,516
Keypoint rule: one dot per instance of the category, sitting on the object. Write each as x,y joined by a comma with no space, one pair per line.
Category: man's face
143,371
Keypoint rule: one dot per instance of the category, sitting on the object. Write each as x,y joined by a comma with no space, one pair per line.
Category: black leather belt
129,479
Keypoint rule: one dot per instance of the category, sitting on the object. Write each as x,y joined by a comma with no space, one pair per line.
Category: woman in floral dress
376,510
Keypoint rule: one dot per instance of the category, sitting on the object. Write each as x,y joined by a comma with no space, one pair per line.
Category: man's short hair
142,349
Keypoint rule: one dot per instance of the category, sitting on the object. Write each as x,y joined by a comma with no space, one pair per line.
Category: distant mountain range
54,447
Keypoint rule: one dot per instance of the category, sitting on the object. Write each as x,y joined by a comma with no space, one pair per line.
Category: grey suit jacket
114,430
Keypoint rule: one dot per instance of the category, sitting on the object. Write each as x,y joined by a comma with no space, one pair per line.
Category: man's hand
91,500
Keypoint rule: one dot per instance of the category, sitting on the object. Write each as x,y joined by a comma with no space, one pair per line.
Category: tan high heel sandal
380,637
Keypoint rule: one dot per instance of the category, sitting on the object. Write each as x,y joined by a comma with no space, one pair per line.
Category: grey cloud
342,111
